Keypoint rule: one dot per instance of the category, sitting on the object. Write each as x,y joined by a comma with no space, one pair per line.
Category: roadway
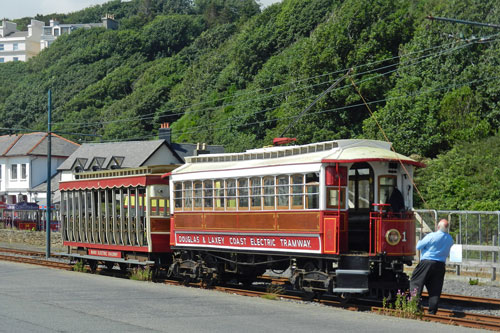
39,299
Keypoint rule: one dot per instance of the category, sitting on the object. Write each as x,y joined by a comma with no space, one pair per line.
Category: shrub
141,274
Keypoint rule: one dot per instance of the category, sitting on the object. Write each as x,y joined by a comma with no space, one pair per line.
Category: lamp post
49,166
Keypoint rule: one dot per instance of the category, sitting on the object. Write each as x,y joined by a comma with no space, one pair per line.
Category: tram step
351,281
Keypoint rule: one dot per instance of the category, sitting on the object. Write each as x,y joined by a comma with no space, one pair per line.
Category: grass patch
141,274
473,282
79,266
273,291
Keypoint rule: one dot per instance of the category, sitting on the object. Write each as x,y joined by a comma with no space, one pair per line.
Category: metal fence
477,231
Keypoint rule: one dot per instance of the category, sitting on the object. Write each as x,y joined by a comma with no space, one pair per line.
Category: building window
15,47
2,60
2,48
23,171
13,171
15,59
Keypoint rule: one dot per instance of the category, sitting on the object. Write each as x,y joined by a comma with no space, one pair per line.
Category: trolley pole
49,166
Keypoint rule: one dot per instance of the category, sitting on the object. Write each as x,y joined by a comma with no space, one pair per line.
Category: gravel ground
460,285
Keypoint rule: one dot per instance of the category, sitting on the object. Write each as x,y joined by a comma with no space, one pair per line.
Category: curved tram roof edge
341,151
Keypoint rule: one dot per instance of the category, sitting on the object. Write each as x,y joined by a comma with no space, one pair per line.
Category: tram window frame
230,192
269,193
187,202
208,194
178,199
219,194
390,187
255,193
243,198
312,191
297,183
283,192
333,204
197,195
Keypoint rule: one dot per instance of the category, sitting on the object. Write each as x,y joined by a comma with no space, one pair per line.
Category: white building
19,45
23,165
56,29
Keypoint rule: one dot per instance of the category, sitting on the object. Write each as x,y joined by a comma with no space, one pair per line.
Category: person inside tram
396,201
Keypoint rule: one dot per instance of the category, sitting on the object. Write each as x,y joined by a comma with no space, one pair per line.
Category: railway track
465,319
468,299
37,261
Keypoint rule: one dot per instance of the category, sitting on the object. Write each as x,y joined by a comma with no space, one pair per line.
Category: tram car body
118,216
320,209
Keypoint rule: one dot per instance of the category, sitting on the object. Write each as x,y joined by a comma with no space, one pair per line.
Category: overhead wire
153,115
302,80
194,129
320,111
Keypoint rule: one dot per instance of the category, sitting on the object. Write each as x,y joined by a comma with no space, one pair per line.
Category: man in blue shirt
430,270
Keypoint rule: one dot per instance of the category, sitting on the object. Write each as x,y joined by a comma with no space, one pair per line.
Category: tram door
361,191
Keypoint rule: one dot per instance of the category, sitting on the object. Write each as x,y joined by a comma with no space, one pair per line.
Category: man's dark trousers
431,274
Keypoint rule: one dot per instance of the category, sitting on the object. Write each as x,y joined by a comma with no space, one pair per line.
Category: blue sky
17,9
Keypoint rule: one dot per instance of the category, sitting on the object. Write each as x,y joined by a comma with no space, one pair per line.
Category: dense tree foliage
223,72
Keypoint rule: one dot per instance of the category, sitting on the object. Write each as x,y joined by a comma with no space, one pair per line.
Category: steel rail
469,299
39,262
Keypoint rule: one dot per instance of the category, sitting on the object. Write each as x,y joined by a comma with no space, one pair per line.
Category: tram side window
255,194
178,196
332,197
208,194
219,194
231,194
198,195
283,191
243,194
297,191
269,192
312,191
188,195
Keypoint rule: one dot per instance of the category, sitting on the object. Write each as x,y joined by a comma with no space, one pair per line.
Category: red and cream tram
117,216
337,213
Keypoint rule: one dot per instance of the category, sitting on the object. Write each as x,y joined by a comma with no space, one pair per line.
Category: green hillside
225,72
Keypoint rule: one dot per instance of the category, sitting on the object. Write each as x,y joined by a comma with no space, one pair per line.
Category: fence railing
477,231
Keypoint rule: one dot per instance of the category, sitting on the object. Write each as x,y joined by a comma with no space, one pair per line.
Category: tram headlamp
392,237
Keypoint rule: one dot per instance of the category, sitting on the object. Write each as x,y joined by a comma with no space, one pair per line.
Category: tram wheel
93,265
123,267
110,265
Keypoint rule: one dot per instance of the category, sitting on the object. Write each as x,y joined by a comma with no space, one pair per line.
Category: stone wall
31,239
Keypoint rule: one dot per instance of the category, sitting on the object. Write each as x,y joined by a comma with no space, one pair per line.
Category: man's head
443,225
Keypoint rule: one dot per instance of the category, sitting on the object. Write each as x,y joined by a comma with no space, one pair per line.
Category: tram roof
339,151
144,176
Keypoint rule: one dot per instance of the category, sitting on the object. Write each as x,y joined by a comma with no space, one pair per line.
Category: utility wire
193,128
482,81
153,114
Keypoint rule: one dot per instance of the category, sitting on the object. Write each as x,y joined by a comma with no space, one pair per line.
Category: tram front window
360,187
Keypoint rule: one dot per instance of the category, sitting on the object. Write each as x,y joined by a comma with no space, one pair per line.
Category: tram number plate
105,253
